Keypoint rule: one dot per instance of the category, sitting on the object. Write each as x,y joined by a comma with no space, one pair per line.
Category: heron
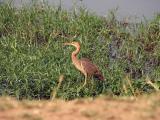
84,65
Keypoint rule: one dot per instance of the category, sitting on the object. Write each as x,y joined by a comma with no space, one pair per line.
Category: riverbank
32,56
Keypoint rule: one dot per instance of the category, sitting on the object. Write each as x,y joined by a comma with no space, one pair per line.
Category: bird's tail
99,76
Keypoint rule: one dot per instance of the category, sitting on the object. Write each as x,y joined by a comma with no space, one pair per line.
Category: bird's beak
66,44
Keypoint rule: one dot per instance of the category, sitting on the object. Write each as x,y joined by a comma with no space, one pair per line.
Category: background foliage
32,56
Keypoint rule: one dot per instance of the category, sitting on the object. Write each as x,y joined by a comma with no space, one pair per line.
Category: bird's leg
85,82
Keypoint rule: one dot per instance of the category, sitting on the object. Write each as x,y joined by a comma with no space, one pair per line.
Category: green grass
32,56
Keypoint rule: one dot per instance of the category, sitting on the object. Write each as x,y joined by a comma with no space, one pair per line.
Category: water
131,9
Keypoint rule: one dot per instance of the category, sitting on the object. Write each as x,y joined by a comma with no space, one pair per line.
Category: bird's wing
86,59
91,69
88,66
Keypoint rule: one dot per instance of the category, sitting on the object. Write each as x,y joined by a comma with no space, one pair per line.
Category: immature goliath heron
84,65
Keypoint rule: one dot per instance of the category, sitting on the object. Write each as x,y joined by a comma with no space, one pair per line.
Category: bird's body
91,69
84,65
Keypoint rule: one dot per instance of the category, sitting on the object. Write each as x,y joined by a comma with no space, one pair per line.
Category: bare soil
146,107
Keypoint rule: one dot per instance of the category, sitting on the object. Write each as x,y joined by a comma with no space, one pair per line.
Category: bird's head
75,44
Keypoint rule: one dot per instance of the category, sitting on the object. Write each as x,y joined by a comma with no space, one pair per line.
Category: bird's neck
76,61
74,55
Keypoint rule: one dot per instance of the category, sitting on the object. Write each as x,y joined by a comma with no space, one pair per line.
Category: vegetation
32,56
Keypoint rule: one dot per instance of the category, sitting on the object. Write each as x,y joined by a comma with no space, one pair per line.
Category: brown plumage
84,65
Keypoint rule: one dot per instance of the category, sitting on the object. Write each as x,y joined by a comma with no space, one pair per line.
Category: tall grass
32,56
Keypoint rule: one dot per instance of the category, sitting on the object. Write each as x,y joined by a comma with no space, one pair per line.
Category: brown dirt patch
146,107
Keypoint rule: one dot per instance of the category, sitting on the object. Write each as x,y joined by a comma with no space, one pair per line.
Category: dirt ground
146,107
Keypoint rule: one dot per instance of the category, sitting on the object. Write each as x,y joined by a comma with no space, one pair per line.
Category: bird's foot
84,84
80,88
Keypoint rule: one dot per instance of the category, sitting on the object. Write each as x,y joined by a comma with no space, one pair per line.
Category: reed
32,56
